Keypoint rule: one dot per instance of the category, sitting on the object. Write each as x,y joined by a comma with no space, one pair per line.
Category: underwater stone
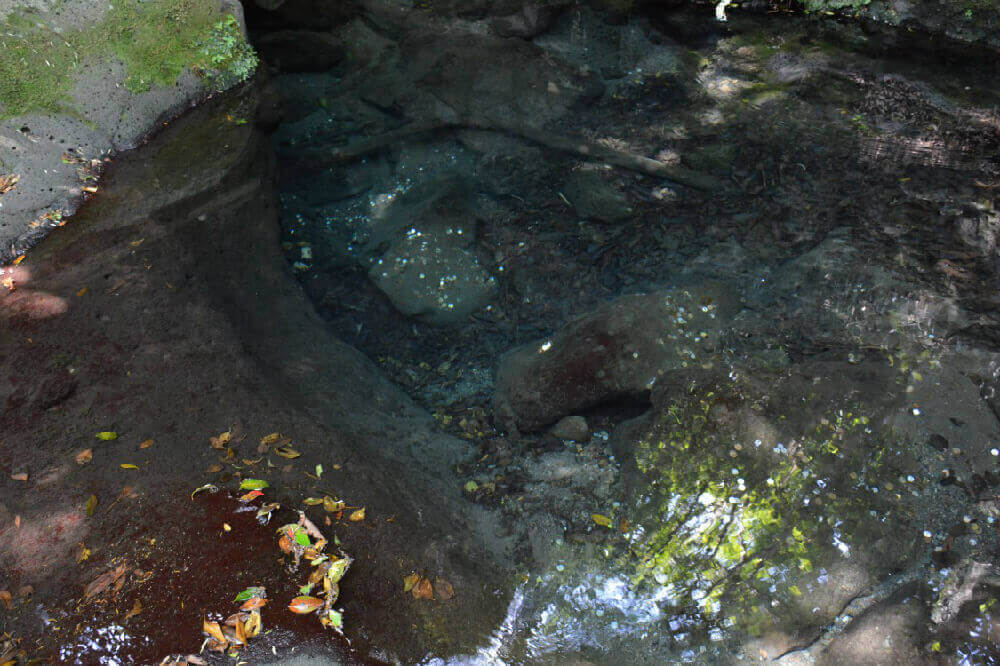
574,428
594,198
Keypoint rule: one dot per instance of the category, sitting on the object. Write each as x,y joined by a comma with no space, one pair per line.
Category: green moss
156,40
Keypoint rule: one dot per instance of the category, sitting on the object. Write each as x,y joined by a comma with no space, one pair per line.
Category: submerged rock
594,198
574,428
620,350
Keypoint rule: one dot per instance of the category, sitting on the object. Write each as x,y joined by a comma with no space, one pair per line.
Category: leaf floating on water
333,619
302,538
106,436
253,484
147,443
268,440
85,456
128,466
603,521
331,505
423,589
287,452
221,440
357,516
250,496
305,605
443,589
409,582
91,505
312,501
208,486
338,568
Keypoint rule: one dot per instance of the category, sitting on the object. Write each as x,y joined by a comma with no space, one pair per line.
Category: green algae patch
155,40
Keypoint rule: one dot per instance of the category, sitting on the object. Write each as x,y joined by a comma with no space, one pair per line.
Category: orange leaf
220,441
305,605
357,516
252,495
409,582
285,544
85,456
251,604
423,590
136,609
146,444
241,634
6,598
214,630
20,476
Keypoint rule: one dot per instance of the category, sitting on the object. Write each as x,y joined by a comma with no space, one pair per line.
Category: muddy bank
165,312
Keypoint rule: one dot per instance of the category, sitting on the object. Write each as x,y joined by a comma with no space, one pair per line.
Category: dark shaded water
814,472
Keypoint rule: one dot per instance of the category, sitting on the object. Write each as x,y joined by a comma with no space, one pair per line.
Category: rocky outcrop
621,350
113,75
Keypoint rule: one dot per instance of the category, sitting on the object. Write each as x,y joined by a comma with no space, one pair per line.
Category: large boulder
114,73
620,350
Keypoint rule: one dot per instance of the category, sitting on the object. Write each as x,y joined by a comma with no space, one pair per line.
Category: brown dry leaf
443,589
85,456
147,443
214,630
20,476
136,609
221,441
214,468
6,598
305,605
26,591
268,440
357,516
8,182
285,544
410,581
287,452
100,584
196,660
423,589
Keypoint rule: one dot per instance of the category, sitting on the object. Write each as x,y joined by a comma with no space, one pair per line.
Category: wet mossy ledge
82,79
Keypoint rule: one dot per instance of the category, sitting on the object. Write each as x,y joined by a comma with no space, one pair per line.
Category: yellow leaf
333,506
214,630
287,452
267,440
91,504
82,292
84,554
128,466
312,501
146,444
603,521
85,456
107,435
221,441
410,581
423,589
226,527
357,516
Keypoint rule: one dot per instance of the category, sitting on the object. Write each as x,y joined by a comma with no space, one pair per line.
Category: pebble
574,428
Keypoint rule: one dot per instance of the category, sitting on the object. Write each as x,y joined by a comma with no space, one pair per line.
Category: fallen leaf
248,461
26,591
312,501
331,505
128,466
226,527
17,521
285,544
423,589
136,609
147,443
250,496
195,660
84,554
253,484
603,521
267,440
20,476
103,582
214,630
357,516
443,589
319,471
214,468
221,441
305,605
251,604
409,582
208,486
250,593
106,435
287,452
6,598
85,456
253,625
82,291
91,505
241,634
